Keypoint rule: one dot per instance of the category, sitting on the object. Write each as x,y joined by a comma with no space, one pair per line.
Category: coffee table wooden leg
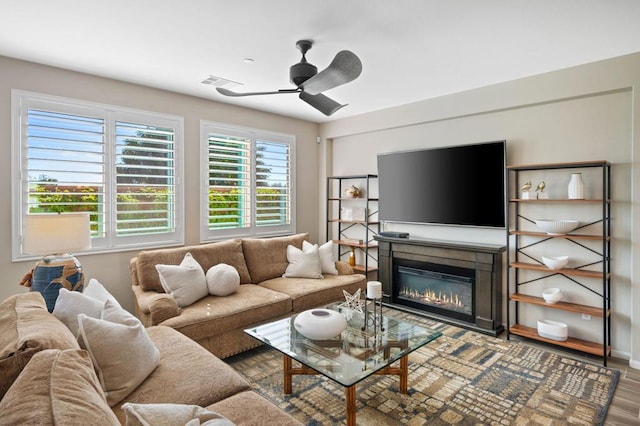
350,397
404,374
287,374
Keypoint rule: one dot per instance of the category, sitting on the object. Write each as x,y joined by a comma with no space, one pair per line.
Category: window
122,166
247,180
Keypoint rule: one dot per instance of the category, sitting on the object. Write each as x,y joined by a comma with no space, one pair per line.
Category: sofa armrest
343,268
152,307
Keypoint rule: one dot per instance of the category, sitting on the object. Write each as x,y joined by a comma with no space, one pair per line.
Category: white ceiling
410,49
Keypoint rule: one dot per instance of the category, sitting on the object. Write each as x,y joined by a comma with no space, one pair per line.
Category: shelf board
351,199
565,271
545,235
564,306
353,244
571,342
361,268
574,165
364,222
556,200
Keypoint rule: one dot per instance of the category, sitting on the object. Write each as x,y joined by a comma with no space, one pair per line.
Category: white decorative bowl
557,227
552,295
553,330
555,262
320,324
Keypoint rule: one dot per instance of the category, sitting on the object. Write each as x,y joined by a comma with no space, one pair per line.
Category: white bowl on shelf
555,262
552,295
553,330
557,227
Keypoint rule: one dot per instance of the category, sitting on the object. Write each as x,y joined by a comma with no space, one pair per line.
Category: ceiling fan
345,67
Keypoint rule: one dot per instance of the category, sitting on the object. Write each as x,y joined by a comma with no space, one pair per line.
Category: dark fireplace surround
477,265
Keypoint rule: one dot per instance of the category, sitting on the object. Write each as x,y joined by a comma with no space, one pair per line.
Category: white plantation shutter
249,177
121,166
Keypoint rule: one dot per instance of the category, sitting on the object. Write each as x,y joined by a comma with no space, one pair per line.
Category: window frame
254,135
22,101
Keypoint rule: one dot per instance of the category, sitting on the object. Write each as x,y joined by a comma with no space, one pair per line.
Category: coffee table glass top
354,354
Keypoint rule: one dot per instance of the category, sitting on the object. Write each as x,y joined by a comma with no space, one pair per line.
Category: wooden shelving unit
519,260
343,231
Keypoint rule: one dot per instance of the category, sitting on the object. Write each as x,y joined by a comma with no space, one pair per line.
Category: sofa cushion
222,280
213,315
98,291
209,378
172,415
308,293
57,388
185,282
207,255
122,352
261,412
27,327
327,259
267,257
303,263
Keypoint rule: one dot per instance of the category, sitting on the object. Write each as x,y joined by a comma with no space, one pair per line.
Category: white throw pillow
222,280
303,264
171,414
327,261
96,290
72,303
123,355
185,282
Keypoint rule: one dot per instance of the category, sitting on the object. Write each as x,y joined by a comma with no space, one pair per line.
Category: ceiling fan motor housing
301,72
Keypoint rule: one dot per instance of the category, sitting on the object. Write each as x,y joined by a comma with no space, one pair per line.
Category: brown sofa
217,323
45,378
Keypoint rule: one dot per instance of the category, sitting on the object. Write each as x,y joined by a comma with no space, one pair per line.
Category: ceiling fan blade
322,103
345,67
228,92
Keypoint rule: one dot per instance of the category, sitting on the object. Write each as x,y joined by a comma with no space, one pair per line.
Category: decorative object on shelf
552,295
524,190
555,262
320,324
540,191
352,257
576,187
373,320
352,304
557,227
55,236
352,191
553,330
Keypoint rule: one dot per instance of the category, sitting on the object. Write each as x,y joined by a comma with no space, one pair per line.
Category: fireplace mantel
484,259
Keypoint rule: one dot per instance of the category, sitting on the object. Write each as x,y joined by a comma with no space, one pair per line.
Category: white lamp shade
56,233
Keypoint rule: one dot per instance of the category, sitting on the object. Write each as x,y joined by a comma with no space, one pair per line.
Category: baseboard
634,364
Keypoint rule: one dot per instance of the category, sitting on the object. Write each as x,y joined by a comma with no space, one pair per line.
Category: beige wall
578,114
111,269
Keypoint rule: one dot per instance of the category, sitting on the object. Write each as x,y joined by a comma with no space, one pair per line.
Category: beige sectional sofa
46,378
217,323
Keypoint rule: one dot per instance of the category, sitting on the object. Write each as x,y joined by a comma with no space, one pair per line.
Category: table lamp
56,236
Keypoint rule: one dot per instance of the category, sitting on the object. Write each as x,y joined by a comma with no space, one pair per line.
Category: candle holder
373,320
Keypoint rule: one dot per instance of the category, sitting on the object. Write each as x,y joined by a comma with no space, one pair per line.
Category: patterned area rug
461,378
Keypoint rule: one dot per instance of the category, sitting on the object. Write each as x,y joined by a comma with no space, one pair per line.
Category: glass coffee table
350,357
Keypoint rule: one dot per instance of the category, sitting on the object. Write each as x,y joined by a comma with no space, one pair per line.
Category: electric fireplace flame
450,301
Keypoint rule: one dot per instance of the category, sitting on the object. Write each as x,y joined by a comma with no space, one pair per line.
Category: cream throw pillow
303,263
72,303
185,282
123,355
96,290
222,280
171,415
327,262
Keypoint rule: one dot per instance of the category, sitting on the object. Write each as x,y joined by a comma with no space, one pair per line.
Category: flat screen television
455,185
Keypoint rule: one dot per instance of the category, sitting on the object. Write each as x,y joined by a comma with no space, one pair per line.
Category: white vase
320,324
576,187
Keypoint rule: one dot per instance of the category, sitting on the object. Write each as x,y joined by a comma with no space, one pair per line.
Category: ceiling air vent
214,81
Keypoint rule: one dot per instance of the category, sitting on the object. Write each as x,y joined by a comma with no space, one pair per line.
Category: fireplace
453,282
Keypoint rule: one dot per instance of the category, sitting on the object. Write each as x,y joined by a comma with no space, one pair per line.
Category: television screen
457,185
